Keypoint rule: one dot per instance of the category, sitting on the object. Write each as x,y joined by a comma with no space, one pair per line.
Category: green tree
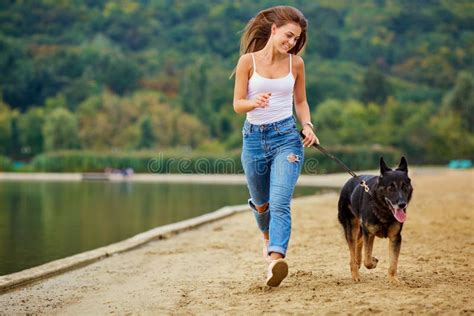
194,90
56,102
360,123
31,131
404,126
449,140
9,134
119,73
461,100
5,128
60,130
328,119
375,87
147,134
15,146
190,130
327,45
109,121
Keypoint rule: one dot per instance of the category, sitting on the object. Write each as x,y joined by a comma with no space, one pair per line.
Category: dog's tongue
400,215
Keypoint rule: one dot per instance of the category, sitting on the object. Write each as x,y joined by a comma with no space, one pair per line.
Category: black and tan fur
365,216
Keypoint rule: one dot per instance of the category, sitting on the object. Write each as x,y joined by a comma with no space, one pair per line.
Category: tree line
153,74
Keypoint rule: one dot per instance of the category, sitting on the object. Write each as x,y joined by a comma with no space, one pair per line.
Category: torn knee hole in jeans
293,158
260,210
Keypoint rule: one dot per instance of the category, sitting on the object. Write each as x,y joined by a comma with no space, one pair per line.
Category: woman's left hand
309,137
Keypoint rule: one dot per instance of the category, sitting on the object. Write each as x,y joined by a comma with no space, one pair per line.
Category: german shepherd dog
380,213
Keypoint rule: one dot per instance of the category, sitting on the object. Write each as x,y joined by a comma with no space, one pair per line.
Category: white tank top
280,104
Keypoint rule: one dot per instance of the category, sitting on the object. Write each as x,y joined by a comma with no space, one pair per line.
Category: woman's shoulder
298,61
246,57
245,63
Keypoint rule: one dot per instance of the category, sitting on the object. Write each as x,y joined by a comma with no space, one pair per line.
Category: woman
268,78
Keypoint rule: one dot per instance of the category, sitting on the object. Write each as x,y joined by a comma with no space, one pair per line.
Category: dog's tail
345,213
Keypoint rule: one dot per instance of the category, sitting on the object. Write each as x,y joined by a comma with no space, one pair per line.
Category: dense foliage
109,75
200,162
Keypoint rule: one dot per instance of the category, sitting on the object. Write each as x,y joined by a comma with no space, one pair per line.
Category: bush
180,161
143,162
5,164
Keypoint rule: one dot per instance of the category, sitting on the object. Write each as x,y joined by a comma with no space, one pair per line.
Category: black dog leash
362,183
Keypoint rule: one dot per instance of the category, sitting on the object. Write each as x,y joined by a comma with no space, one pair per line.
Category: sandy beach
218,268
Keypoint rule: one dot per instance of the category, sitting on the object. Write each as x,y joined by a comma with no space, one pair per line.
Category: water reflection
44,221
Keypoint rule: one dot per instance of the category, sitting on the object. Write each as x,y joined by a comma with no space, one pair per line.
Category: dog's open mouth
399,213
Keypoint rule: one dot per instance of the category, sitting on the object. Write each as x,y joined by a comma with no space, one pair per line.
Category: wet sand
218,268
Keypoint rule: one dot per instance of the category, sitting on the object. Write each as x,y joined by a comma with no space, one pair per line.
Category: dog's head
394,188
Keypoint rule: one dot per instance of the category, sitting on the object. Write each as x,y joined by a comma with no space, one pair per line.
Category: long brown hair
257,31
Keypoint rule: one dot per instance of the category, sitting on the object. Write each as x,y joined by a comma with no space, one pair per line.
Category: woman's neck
270,54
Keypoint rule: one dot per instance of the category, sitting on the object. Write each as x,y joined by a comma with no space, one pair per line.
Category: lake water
45,221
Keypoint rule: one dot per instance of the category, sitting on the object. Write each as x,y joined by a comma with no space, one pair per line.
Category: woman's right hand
261,101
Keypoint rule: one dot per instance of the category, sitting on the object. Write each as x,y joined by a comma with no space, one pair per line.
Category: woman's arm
241,104
301,103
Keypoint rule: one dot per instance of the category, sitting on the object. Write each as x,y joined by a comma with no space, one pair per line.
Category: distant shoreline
332,180
326,180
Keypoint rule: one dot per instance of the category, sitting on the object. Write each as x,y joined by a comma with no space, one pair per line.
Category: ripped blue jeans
272,158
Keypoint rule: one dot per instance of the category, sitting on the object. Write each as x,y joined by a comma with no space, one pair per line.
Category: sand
218,268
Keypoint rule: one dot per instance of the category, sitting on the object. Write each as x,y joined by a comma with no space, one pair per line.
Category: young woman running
269,79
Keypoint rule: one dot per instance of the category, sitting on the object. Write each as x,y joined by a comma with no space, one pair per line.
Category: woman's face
285,36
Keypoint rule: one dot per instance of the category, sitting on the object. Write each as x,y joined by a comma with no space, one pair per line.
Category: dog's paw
372,263
356,278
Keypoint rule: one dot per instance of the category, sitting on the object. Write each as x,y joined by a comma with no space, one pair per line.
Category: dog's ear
403,166
383,167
